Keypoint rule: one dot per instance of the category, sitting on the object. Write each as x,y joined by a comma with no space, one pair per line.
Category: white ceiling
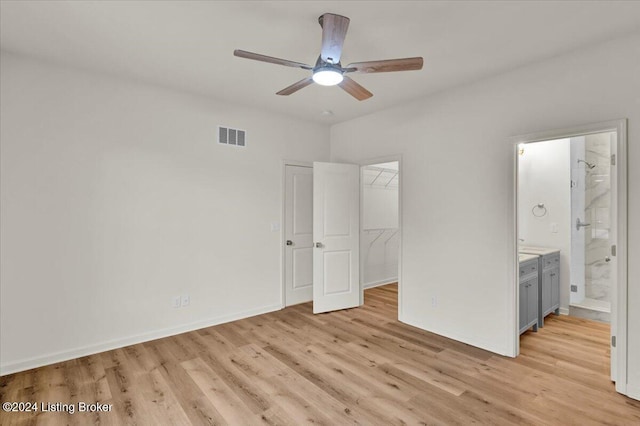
189,44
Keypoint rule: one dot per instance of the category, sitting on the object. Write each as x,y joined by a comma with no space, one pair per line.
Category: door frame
370,162
620,127
283,246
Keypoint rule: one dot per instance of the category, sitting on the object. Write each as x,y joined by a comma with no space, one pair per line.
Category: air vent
229,136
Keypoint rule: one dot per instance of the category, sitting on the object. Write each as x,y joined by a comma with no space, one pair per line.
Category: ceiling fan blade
389,65
334,30
295,86
270,59
354,89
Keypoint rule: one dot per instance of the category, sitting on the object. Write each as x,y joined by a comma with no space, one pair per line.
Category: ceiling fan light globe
327,77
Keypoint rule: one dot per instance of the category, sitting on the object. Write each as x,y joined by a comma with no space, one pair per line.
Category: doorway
379,227
321,216
379,235
570,208
381,219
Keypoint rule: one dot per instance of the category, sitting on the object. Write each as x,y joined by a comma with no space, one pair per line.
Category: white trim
26,364
587,129
379,283
283,207
564,311
472,340
621,274
620,127
633,391
378,160
513,292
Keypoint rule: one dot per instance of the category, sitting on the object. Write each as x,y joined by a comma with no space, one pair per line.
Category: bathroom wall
544,177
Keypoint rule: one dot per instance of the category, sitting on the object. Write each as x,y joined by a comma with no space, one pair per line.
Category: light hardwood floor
359,366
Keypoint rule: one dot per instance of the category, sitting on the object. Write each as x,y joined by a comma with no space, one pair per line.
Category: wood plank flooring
358,366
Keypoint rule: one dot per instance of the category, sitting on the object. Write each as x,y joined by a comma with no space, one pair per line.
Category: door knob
318,245
607,259
289,242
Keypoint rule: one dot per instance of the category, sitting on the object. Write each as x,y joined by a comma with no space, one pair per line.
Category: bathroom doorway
570,202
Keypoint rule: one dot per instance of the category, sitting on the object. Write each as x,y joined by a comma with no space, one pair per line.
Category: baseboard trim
468,340
379,283
564,311
633,391
27,364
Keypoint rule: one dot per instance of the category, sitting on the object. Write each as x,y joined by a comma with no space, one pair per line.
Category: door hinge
613,159
613,341
614,250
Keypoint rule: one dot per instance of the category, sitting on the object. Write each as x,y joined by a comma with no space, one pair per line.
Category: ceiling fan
328,71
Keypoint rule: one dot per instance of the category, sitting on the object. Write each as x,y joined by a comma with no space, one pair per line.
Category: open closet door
336,235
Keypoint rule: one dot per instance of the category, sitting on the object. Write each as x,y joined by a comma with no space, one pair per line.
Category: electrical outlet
176,301
434,301
574,288
186,300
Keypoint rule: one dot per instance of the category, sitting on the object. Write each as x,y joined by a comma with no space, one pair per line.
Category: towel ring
540,208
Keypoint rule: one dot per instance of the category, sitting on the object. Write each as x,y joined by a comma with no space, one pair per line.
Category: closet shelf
383,177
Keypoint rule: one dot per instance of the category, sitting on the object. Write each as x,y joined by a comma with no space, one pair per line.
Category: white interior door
298,232
336,234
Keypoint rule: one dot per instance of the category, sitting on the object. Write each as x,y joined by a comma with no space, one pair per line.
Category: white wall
458,180
544,177
116,197
380,207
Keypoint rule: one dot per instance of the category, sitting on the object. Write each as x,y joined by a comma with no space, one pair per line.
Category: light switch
275,227
554,227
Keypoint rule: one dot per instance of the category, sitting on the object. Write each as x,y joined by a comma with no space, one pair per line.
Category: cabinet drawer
551,261
528,268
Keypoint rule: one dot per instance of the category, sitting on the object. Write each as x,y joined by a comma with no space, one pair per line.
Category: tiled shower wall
597,210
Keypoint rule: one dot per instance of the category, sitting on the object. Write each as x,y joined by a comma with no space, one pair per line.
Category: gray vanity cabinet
549,285
529,289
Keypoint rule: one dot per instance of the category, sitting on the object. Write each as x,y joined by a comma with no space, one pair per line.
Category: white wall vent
229,136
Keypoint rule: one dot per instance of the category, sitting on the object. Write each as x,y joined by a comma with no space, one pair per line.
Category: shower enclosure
590,219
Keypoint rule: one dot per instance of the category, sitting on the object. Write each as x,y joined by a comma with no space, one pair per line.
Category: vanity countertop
523,257
541,251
